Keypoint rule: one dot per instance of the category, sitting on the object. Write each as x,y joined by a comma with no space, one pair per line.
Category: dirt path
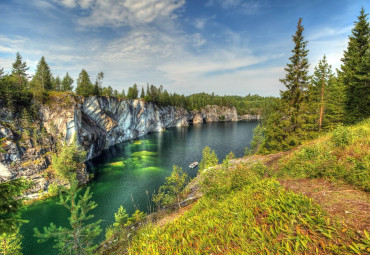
350,206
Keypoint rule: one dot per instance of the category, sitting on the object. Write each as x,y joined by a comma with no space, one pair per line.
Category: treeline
311,104
17,90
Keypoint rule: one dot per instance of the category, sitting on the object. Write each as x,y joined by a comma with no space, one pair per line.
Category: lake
128,173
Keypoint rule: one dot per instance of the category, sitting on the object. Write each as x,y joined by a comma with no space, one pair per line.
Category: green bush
342,136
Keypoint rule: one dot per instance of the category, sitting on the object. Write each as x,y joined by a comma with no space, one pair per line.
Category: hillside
313,199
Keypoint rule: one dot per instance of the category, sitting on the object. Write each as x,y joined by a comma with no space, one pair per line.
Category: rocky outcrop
95,122
249,117
214,113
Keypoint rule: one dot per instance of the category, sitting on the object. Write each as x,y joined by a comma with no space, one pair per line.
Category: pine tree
67,83
19,70
142,93
123,93
56,83
68,160
79,237
10,220
209,158
84,86
326,96
98,84
42,78
296,81
355,71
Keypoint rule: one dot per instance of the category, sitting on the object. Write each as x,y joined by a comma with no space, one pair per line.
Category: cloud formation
117,13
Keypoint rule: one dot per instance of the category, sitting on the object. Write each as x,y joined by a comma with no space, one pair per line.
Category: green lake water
125,173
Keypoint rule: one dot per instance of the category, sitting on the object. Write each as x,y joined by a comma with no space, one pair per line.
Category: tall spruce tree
296,81
326,96
42,78
79,238
67,83
19,70
10,220
355,71
84,86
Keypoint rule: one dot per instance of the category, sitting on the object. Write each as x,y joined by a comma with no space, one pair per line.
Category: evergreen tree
98,84
142,93
67,160
11,243
67,83
84,86
133,92
10,220
296,81
355,71
79,237
56,83
326,96
19,70
42,78
123,93
209,158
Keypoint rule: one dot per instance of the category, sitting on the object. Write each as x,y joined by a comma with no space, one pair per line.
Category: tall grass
342,155
260,218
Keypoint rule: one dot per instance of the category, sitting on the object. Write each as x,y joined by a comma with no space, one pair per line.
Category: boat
194,164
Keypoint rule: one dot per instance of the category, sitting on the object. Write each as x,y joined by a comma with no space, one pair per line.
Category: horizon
189,47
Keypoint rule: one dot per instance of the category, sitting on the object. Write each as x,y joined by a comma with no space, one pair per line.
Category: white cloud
118,13
248,7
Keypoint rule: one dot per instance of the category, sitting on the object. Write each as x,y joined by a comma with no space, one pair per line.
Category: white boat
194,164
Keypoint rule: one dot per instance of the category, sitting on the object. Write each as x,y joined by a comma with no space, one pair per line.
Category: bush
342,136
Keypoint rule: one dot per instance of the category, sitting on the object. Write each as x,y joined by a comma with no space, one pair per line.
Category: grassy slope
246,211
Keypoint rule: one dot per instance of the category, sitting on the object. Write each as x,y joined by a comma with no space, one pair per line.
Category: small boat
194,164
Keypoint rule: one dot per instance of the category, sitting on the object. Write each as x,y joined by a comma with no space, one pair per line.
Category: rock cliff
96,122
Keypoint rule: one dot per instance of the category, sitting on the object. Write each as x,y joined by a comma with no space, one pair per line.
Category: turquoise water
125,173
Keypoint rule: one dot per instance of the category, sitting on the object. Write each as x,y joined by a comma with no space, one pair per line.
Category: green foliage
41,81
342,136
67,83
10,203
257,141
209,158
133,92
120,217
11,243
258,218
138,216
172,188
19,71
54,189
342,155
79,237
355,71
68,160
84,85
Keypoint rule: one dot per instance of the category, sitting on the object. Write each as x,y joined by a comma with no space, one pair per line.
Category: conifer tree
209,158
98,84
19,70
67,83
56,83
10,220
296,81
326,96
79,237
42,78
142,93
355,71
84,86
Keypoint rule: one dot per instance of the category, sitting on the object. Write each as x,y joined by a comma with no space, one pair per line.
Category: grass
340,155
261,218
245,210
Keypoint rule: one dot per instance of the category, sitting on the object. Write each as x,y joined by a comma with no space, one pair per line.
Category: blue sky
232,47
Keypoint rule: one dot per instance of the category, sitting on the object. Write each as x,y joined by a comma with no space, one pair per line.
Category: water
126,171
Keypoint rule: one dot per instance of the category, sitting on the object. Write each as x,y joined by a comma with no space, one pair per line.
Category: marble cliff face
95,122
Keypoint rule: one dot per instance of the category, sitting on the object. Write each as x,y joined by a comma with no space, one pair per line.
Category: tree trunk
322,104
4,242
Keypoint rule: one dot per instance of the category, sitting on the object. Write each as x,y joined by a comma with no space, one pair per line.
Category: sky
232,47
